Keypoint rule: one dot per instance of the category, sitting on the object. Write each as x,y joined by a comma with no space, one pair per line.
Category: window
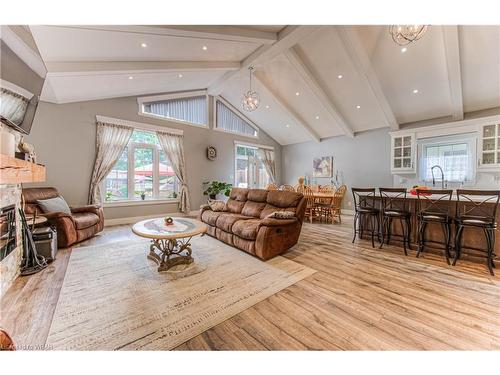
229,121
249,170
455,155
143,169
189,108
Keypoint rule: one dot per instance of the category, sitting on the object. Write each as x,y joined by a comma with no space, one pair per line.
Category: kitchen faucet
442,176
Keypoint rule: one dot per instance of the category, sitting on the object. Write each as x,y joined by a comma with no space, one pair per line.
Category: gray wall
64,137
363,161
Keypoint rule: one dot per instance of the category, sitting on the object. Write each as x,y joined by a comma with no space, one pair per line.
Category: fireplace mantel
17,171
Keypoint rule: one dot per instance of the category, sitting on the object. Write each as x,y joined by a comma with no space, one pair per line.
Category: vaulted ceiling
314,81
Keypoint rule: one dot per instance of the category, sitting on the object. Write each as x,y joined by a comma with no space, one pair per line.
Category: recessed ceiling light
404,49
130,77
287,125
267,107
358,106
180,75
415,91
317,117
144,45
340,76
204,48
297,93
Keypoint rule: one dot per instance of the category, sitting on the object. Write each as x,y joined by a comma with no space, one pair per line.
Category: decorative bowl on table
413,191
169,221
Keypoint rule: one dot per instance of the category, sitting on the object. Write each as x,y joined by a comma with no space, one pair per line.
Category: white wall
364,161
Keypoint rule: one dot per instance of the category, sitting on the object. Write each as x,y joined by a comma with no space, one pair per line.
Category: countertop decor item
211,153
7,143
27,148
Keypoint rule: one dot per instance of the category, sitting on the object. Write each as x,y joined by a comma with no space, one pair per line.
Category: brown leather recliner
84,222
245,224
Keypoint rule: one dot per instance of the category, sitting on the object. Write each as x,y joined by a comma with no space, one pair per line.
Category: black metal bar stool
477,209
365,210
394,206
434,206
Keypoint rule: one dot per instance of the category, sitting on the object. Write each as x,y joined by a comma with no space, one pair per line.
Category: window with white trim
230,121
249,170
143,172
186,108
454,154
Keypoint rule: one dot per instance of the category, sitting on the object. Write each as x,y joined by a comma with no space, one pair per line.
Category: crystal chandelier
251,99
406,34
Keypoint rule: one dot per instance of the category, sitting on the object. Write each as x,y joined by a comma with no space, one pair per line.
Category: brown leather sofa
245,225
84,222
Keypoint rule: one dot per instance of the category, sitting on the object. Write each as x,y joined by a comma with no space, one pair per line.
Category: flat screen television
20,90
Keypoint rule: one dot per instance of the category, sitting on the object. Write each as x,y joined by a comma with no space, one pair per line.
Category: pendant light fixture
251,99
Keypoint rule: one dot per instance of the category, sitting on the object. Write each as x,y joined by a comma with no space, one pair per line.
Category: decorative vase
7,143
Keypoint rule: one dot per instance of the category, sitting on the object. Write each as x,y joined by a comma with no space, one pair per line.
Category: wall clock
211,153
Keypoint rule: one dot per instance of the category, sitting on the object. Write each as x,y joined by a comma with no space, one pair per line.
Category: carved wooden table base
170,252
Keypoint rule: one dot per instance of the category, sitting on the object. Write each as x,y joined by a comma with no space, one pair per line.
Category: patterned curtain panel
193,110
111,141
12,106
173,146
267,159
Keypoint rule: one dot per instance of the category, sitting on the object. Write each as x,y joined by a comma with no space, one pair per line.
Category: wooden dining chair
323,204
271,187
299,188
336,208
287,188
311,212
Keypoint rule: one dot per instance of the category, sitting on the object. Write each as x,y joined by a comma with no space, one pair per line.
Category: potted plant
143,195
217,187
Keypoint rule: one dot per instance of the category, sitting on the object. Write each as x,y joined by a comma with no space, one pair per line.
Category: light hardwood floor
360,299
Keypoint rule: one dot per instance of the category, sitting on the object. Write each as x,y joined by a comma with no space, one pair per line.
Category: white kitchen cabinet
489,147
403,153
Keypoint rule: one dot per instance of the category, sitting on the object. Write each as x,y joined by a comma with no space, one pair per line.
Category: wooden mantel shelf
17,171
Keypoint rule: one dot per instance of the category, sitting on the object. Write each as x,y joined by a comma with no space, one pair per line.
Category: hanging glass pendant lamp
251,99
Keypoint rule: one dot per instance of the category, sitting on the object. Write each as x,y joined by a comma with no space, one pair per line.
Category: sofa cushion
252,208
239,194
270,209
247,229
245,245
210,217
234,206
281,215
257,195
217,205
85,220
226,221
283,199
57,204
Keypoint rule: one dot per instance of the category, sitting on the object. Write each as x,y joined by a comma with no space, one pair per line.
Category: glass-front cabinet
403,153
490,147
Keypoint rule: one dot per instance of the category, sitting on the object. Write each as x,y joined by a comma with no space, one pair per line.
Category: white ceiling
456,70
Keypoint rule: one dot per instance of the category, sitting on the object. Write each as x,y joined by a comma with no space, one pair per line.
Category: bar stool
434,206
394,206
364,205
477,209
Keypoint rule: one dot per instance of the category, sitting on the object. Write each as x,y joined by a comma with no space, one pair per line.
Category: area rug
113,297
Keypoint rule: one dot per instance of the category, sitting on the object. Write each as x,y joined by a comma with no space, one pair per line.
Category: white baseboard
135,219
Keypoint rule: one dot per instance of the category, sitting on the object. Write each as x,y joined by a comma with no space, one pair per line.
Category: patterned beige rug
114,298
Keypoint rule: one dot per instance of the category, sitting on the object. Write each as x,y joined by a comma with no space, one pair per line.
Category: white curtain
111,140
172,145
193,110
12,106
228,120
267,159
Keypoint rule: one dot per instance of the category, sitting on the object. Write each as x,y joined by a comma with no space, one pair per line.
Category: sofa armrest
57,215
94,208
272,222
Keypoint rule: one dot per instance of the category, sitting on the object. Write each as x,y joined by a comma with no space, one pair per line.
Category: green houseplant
217,187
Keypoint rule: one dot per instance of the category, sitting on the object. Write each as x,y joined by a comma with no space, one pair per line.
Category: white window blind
190,109
229,121
454,156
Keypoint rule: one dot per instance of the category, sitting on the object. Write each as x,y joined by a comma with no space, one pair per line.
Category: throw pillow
282,215
57,204
216,205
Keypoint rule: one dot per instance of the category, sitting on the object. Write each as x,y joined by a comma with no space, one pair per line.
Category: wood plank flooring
360,299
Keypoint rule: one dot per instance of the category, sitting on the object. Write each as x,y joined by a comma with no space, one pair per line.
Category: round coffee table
170,244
